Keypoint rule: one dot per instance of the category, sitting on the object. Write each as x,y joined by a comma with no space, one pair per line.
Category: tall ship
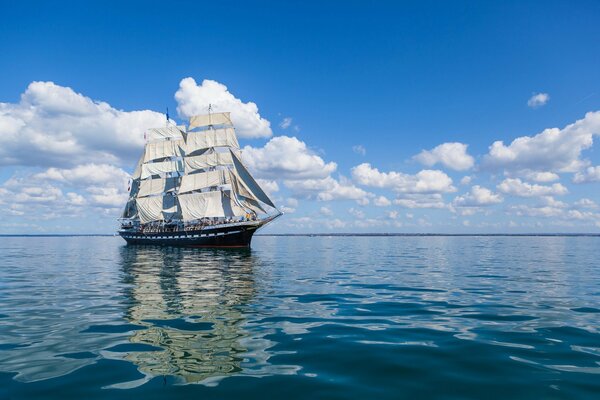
190,188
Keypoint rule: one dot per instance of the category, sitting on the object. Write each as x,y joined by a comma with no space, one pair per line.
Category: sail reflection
190,305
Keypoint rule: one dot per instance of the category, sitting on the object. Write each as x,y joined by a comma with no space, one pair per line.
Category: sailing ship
190,188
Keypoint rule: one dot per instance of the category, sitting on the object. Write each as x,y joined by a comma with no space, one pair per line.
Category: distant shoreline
349,234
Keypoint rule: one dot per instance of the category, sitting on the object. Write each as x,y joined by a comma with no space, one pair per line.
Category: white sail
201,205
249,182
163,149
157,168
149,208
151,187
253,205
210,138
208,160
138,168
238,185
200,165
232,206
211,119
164,133
203,180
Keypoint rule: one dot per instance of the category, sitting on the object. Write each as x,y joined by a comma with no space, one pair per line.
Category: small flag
167,113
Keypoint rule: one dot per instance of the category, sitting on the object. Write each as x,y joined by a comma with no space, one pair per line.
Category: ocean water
301,317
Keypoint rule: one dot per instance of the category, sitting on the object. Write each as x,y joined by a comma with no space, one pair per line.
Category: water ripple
347,317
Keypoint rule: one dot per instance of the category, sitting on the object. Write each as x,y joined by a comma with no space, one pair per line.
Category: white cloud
359,149
425,181
465,180
546,207
356,213
538,100
554,150
328,189
86,175
392,214
285,157
516,187
477,197
434,200
334,223
107,196
326,211
540,176
193,99
285,123
382,201
591,174
451,155
52,125
268,185
585,203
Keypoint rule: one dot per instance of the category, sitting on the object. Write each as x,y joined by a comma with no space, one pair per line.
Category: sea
301,317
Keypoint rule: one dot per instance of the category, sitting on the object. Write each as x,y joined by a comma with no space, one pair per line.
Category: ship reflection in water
190,306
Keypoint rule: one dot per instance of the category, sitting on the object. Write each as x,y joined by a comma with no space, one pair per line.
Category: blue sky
393,77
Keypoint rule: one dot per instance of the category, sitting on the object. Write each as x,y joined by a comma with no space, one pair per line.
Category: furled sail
249,182
210,138
157,168
163,149
211,119
151,187
203,180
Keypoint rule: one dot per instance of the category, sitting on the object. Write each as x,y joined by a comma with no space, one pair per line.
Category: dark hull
238,236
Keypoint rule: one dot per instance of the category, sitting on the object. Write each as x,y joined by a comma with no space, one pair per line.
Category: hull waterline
232,236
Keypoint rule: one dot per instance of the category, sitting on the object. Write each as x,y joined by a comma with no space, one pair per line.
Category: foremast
186,176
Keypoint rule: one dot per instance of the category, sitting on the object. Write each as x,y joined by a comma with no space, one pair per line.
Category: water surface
326,317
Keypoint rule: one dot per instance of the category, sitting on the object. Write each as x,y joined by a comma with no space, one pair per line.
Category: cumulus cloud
53,125
86,175
516,187
268,185
590,174
540,176
326,211
451,155
585,203
554,150
538,100
477,197
286,157
193,99
382,201
328,189
425,181
59,189
434,200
